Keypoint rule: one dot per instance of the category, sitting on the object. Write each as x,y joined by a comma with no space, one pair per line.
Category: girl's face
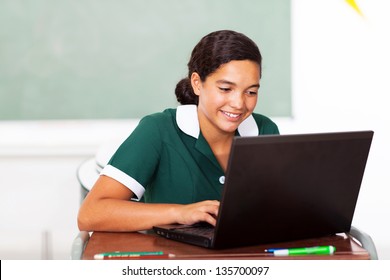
227,96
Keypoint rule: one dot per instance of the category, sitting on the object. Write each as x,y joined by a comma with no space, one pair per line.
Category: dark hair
210,53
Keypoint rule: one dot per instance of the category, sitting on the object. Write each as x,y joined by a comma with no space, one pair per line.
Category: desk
346,247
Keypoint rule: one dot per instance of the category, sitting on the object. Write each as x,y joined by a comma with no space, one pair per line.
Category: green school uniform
166,159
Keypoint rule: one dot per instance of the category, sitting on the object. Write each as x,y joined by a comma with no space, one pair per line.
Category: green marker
317,250
118,254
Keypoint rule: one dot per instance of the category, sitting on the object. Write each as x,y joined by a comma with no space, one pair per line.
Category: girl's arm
108,207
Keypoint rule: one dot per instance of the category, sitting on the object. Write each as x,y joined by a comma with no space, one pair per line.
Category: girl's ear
196,83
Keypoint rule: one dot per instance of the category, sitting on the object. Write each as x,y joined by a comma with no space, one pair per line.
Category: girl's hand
204,211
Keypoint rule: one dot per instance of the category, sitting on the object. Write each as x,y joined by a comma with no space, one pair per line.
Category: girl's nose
236,100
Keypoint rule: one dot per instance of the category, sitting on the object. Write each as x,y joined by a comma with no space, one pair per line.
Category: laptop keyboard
201,229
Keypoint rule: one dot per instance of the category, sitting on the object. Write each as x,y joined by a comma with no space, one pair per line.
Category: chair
89,170
365,240
87,174
79,244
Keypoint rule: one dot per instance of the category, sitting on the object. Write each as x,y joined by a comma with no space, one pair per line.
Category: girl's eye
252,92
224,89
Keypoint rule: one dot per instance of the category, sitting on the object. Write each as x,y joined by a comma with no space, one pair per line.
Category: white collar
187,120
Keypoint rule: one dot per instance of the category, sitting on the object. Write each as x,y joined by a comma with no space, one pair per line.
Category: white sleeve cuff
124,179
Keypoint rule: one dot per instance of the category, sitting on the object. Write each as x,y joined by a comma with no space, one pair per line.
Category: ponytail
184,93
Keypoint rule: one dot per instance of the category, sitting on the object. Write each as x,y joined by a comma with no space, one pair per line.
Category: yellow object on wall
355,6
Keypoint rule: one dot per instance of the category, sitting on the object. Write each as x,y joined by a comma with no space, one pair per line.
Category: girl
175,161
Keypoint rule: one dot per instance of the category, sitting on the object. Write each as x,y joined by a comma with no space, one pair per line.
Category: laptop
282,188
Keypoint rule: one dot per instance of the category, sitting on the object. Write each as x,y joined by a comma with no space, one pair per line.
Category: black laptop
284,187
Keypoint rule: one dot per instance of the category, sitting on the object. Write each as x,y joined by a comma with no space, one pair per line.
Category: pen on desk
317,250
123,255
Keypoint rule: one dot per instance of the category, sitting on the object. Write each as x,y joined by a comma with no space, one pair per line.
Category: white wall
40,193
340,69
340,82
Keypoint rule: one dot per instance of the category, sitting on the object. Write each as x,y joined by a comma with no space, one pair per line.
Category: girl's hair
210,53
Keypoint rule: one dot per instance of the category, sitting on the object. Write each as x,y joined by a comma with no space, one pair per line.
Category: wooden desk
346,248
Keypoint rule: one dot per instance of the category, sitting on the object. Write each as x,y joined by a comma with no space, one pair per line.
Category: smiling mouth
231,115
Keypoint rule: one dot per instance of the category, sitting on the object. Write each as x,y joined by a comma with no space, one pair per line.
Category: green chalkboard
101,59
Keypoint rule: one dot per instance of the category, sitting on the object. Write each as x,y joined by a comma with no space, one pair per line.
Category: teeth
231,115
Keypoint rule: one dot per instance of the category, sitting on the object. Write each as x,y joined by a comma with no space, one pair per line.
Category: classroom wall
339,82
79,53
